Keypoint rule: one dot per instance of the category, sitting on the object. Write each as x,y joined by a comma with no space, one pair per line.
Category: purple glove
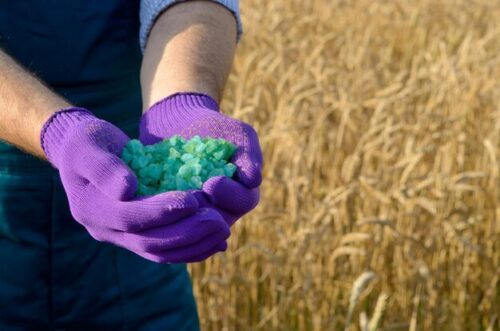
169,227
189,114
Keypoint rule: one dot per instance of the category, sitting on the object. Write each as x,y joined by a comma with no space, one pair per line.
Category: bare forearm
190,49
25,105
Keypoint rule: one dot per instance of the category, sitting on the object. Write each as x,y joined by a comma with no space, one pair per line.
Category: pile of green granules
177,164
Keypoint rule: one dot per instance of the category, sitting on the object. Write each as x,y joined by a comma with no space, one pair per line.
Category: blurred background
380,207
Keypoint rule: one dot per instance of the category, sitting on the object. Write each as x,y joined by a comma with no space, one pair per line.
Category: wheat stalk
357,288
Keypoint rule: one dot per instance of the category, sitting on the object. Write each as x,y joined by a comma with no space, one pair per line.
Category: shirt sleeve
151,9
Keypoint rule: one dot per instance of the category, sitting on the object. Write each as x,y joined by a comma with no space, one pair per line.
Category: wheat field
380,206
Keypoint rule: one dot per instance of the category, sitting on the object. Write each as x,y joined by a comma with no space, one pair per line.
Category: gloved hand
189,114
168,227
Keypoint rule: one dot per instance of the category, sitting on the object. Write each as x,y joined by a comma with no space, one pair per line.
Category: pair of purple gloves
171,227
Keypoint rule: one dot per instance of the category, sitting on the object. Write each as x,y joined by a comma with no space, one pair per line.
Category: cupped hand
170,227
190,114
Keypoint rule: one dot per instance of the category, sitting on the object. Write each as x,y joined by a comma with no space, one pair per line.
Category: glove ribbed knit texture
60,123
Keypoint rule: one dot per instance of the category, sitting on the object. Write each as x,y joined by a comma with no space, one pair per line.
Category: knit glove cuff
174,109
56,128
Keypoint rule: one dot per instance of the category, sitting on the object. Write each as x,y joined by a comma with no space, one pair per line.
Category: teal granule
177,164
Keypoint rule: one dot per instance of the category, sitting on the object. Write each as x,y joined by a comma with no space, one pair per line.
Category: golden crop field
380,207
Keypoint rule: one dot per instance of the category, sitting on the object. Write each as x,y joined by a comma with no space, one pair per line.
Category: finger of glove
183,255
204,201
108,173
248,158
91,207
202,230
228,217
202,198
198,251
222,247
231,195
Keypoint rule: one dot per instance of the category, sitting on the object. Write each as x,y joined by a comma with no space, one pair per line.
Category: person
78,80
